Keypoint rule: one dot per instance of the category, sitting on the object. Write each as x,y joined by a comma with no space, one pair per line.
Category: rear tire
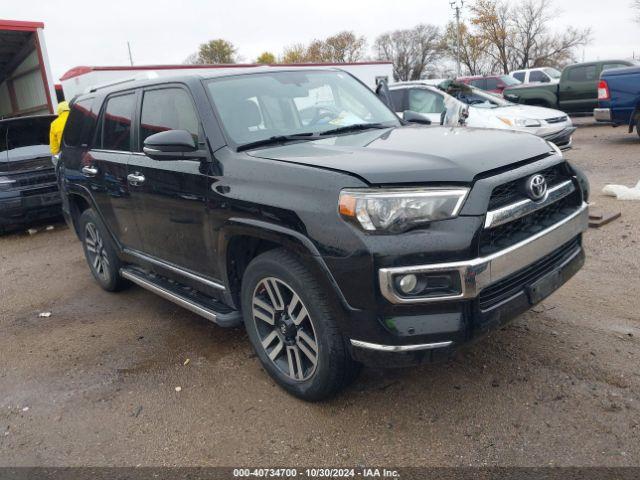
292,327
100,252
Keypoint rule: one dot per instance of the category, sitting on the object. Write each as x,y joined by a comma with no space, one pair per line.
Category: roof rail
143,76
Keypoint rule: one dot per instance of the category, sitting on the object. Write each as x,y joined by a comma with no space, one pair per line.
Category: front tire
292,327
100,252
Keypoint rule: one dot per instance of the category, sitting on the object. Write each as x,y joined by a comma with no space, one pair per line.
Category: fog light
408,283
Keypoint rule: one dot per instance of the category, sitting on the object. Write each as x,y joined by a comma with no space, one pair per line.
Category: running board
184,296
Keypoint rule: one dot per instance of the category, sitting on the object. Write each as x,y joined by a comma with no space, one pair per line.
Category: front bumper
495,289
562,139
25,206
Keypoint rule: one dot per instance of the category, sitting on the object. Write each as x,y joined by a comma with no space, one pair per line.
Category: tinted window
79,124
478,82
492,83
168,109
425,101
116,123
583,74
519,76
397,98
537,76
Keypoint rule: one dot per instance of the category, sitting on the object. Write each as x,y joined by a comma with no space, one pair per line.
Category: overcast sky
88,32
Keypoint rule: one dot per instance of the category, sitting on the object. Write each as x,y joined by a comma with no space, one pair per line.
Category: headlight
399,209
520,122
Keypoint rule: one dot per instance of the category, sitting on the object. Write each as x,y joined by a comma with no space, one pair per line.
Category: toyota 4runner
296,202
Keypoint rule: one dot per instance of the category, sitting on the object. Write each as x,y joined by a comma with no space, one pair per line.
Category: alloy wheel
96,251
285,328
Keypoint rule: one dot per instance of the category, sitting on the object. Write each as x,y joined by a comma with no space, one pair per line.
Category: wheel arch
243,239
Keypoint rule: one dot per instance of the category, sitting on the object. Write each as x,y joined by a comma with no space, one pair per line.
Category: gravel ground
95,383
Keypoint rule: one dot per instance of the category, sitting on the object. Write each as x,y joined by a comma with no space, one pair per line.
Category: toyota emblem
536,187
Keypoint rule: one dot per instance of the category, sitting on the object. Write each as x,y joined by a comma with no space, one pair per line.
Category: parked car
297,202
485,110
28,189
576,92
537,75
619,97
490,83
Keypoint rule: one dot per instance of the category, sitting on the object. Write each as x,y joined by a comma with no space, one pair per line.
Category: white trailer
26,84
82,79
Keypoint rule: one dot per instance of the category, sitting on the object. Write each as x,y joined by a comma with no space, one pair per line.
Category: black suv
28,189
297,202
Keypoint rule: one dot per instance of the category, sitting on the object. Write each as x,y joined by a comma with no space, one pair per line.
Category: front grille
25,180
513,191
516,282
32,192
503,236
556,119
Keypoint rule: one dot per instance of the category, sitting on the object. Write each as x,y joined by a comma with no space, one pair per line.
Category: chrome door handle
135,178
88,171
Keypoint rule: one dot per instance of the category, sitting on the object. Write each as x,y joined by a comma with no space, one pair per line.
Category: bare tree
342,47
472,49
533,45
493,21
411,51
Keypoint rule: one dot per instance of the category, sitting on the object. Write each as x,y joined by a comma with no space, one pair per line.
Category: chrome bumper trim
602,114
525,207
399,348
478,273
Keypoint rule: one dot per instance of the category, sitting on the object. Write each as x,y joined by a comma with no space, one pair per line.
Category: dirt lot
94,383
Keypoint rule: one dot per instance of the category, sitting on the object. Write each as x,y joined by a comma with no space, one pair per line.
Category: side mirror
382,91
172,145
415,117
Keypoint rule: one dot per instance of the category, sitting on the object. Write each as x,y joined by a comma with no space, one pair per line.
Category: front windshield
260,106
510,81
552,72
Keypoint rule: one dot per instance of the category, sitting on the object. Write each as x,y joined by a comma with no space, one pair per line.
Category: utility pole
457,5
130,57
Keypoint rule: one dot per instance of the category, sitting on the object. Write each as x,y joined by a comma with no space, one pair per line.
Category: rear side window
492,83
519,76
425,101
116,123
538,76
586,73
167,109
80,123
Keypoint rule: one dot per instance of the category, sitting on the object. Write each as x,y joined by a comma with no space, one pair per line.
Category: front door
105,167
170,195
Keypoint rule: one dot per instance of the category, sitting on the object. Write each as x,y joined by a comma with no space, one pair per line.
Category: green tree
214,51
266,58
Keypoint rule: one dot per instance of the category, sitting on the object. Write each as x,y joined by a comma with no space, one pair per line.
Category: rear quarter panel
624,89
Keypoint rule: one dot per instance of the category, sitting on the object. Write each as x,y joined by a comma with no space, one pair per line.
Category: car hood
413,154
526,111
33,157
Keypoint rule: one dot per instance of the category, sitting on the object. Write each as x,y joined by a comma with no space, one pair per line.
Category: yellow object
57,127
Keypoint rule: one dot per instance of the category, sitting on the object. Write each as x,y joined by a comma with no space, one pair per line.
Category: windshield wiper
277,139
353,128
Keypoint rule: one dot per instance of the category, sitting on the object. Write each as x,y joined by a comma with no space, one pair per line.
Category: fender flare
287,237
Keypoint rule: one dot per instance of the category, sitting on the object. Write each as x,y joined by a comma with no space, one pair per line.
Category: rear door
578,90
171,195
105,168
